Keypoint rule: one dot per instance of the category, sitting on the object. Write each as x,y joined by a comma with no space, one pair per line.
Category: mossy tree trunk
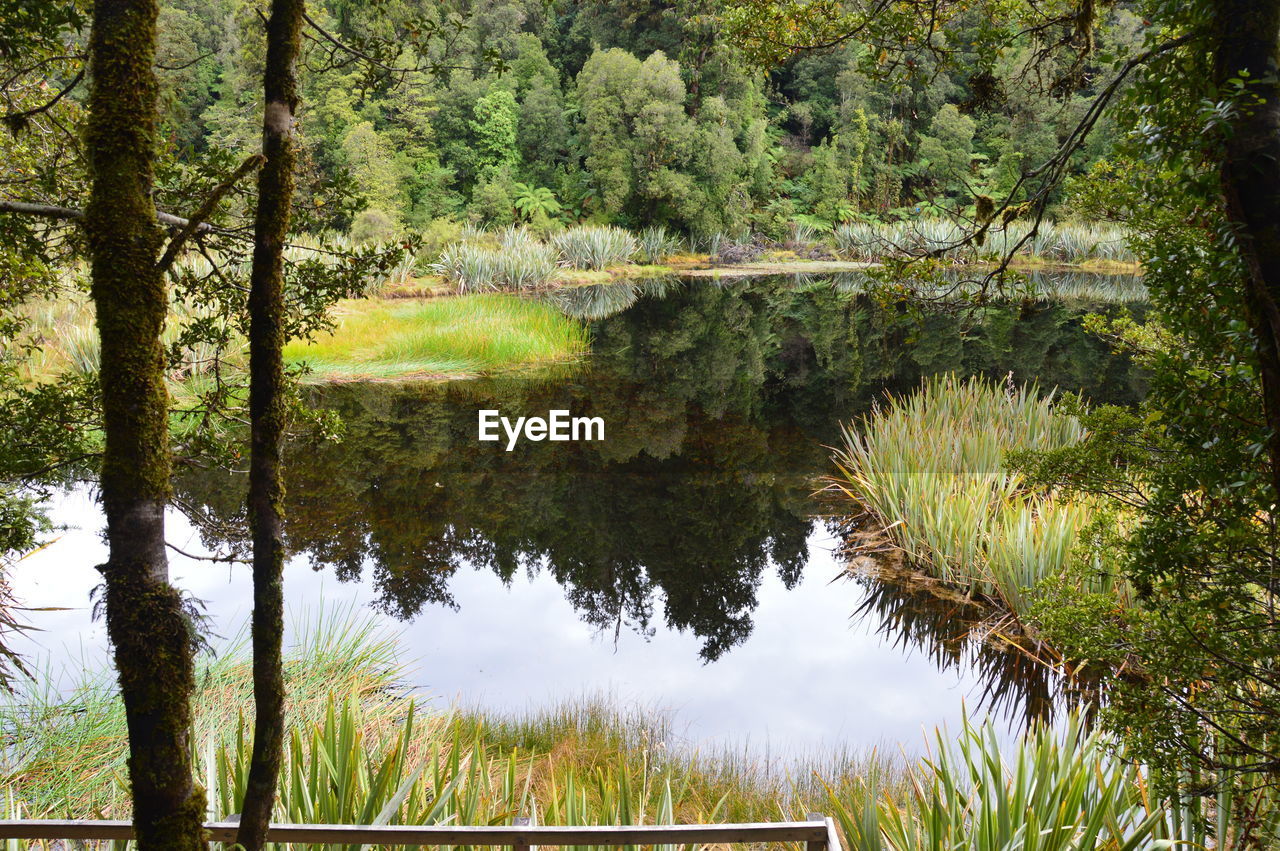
1247,44
267,415
149,630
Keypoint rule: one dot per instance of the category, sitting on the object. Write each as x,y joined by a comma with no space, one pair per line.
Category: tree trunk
267,416
149,631
1246,40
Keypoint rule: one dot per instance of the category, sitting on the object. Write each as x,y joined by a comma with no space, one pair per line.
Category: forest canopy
632,113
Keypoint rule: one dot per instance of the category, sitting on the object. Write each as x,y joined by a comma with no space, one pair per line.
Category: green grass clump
1052,790
1065,242
595,247
930,467
656,244
465,335
518,264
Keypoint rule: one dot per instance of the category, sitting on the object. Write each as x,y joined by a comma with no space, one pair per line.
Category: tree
150,629
495,130
267,415
948,149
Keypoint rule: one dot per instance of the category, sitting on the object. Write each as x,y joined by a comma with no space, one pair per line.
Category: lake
682,562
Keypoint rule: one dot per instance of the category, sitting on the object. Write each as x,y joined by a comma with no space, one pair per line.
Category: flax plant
594,246
930,468
1052,790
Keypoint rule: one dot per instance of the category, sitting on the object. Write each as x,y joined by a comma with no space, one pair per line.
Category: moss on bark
267,414
149,630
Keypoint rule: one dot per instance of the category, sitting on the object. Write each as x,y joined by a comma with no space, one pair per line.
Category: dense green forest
632,113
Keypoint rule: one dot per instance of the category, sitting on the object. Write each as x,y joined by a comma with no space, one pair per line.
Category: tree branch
17,120
206,209
49,211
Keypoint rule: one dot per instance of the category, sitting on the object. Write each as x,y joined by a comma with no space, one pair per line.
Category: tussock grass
930,468
1067,790
518,262
446,336
656,244
1067,242
596,247
65,748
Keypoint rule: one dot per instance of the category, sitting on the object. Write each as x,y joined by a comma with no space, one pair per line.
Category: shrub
594,246
373,226
656,245
438,235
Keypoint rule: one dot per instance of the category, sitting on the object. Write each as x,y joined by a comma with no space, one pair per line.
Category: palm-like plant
530,202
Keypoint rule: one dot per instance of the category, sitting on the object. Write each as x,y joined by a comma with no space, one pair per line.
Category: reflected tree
718,399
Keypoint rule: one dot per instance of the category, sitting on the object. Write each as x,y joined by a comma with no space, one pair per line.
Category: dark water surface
682,562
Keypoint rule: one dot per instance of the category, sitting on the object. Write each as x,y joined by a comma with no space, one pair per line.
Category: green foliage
373,226
535,203
931,469
592,247
494,127
1068,788
947,149
466,335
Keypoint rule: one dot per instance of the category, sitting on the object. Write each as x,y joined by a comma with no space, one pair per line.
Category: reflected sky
807,676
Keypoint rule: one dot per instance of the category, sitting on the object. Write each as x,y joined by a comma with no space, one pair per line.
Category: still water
683,563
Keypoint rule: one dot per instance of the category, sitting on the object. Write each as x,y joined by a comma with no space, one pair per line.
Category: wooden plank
818,843
676,834
65,829
833,836
520,821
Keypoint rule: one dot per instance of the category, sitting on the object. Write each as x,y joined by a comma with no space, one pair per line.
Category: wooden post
521,842
817,844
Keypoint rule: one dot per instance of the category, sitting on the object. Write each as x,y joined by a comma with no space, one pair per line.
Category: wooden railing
818,834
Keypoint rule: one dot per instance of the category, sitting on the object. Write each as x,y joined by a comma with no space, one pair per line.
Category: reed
930,468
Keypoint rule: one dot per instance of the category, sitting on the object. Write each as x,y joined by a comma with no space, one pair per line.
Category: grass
930,468
1054,790
1062,243
465,335
597,247
379,756
518,262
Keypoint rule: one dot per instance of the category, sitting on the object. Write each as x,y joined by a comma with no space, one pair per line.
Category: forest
634,114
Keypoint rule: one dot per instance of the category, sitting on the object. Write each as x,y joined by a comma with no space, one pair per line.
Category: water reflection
718,399
1019,677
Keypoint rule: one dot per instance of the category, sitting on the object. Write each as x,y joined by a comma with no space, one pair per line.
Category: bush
437,235
373,226
656,245
595,247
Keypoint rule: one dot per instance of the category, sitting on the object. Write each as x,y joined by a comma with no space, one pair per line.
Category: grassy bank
1089,246
448,337
379,757
930,468
472,259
